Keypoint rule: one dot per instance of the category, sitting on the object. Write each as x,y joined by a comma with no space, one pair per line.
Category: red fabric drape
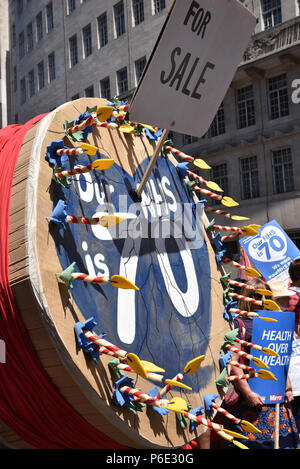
29,402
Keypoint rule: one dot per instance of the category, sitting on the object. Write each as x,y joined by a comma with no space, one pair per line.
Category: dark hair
294,270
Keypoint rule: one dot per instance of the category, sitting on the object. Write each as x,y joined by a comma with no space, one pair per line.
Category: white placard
192,65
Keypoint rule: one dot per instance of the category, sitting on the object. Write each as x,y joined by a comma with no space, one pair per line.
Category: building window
278,96
14,37
39,26
220,177
139,68
29,37
20,6
31,83
138,11
102,30
283,175
23,91
249,178
73,50
105,88
49,11
295,237
71,5
271,10
89,92
245,107
188,139
41,75
51,66
159,5
122,81
87,40
15,79
119,18
21,45
218,124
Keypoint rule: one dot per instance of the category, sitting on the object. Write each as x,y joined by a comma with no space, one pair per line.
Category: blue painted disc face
160,248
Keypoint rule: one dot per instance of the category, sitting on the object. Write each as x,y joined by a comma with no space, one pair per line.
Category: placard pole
277,416
152,163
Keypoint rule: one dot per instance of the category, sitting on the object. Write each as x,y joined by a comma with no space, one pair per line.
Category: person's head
281,293
294,271
257,283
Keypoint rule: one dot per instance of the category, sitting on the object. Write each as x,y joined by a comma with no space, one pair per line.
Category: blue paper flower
85,133
88,130
224,359
51,156
182,169
82,117
208,401
219,256
79,327
216,239
153,135
197,411
83,342
91,349
59,214
111,119
228,316
160,410
119,397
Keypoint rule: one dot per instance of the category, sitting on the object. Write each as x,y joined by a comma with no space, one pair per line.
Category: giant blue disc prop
161,247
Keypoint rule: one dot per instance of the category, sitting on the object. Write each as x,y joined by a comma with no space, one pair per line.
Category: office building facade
66,49
254,141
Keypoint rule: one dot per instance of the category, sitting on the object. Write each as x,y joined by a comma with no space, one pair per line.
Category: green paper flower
183,421
64,182
75,136
136,407
113,365
66,275
224,280
164,152
190,186
221,380
139,129
231,336
226,298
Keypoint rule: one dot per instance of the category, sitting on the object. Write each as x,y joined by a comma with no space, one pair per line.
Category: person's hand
288,396
253,399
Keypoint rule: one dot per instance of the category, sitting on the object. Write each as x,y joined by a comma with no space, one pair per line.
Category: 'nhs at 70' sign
271,250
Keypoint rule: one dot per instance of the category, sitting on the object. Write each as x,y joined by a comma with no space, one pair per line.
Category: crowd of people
249,405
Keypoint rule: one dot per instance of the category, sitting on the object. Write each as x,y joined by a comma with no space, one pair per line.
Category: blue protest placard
277,336
271,250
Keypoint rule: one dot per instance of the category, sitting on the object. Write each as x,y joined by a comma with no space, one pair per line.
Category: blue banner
277,336
271,250
162,250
